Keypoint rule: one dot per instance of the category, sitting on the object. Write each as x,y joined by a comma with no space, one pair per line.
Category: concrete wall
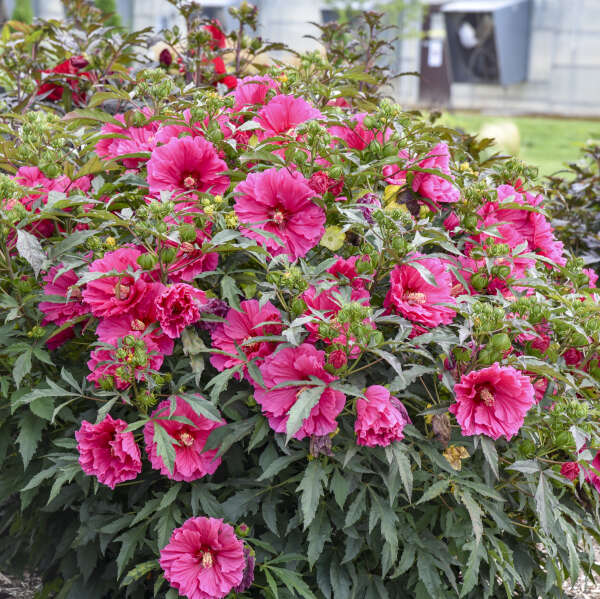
564,66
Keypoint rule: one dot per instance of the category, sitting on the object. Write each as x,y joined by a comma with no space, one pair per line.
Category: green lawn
547,143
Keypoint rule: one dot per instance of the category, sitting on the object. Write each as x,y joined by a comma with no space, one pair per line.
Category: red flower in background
74,68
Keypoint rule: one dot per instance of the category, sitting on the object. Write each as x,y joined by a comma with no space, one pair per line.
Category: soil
22,587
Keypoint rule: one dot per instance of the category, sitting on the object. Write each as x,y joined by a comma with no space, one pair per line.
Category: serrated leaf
311,487
306,401
475,513
357,507
340,485
164,446
293,582
318,533
22,367
491,455
434,491
129,542
31,249
280,463
29,436
139,571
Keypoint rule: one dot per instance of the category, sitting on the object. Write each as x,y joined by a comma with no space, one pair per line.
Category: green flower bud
298,306
369,122
147,261
187,232
500,342
364,266
526,448
479,282
470,222
168,254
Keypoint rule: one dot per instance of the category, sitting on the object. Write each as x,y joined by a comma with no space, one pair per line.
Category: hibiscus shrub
284,340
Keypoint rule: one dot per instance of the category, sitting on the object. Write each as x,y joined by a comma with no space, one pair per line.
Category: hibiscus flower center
186,439
414,297
74,292
487,396
205,558
278,216
249,348
187,247
137,325
190,181
121,291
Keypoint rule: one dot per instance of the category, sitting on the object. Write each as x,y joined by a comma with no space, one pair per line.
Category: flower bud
167,255
147,261
187,232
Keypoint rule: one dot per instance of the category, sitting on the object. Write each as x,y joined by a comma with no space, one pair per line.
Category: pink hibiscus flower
570,470
61,311
190,259
118,292
190,461
283,113
187,164
31,176
142,317
253,90
356,135
298,364
241,326
118,141
434,187
493,401
592,475
345,269
416,299
203,559
179,306
108,453
380,418
280,202
523,224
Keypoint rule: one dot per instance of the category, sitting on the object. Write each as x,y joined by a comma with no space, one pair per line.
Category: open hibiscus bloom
493,401
119,291
187,164
191,463
297,364
380,418
203,559
108,453
280,202
240,327
418,300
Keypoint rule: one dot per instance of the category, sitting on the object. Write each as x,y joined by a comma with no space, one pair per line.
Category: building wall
564,66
